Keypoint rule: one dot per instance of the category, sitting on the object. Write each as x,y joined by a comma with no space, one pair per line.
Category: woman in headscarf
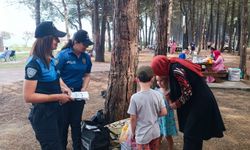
198,114
217,65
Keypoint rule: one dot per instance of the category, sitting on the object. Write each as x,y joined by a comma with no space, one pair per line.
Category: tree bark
161,17
231,28
124,60
103,30
37,12
146,30
202,43
79,14
239,27
192,19
97,31
224,26
109,36
150,32
184,11
211,23
243,40
217,23
170,12
66,18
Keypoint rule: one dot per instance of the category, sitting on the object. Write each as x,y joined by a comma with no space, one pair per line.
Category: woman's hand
66,91
64,98
173,105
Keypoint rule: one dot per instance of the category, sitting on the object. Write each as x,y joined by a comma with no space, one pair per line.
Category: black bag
99,118
94,136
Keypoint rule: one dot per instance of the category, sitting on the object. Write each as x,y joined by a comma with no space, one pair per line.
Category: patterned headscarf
160,65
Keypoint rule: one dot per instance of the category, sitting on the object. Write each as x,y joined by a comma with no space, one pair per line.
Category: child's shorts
152,145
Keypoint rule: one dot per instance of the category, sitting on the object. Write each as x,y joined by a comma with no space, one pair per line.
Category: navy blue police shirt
47,78
72,69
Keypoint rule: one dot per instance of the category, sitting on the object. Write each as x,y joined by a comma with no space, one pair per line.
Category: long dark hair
42,48
69,44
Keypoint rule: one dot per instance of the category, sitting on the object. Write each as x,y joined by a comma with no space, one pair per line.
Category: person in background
167,122
217,65
198,114
173,47
5,54
74,65
212,49
145,107
42,88
192,45
183,54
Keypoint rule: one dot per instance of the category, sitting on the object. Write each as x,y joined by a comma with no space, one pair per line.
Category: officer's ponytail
69,44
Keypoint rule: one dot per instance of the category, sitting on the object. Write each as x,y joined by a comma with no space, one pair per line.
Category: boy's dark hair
145,73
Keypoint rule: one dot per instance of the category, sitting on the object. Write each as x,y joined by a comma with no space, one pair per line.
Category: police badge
31,72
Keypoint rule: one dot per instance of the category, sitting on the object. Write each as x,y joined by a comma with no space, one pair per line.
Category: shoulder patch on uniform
31,72
56,61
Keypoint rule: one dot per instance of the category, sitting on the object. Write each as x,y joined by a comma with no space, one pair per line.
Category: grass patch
18,63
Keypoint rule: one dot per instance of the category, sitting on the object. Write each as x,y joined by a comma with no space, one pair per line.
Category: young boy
144,109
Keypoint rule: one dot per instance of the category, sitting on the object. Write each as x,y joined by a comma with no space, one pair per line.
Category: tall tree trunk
124,60
1,44
170,12
66,18
109,37
239,28
224,28
37,12
146,30
184,22
103,29
79,14
185,33
231,28
150,32
211,23
97,31
217,23
244,34
192,19
161,16
202,43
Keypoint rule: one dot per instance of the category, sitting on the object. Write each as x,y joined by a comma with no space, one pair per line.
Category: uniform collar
71,51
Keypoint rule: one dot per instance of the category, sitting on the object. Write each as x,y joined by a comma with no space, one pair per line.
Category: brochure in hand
80,96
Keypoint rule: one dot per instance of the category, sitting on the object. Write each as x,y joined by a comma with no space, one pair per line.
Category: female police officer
75,67
42,88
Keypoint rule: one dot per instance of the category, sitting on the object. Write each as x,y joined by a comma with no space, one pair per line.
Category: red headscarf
216,54
160,65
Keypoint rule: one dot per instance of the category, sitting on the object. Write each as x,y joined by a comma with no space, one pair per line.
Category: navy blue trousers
72,116
46,121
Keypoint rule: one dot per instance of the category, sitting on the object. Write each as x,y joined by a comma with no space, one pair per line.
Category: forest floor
17,134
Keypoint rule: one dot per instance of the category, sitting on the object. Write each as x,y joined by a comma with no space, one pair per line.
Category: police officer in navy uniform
42,88
75,66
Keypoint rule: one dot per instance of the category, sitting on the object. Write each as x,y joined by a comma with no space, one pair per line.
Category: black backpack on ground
94,136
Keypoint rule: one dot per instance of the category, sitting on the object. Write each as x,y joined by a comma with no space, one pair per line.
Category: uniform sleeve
89,63
186,89
132,107
32,70
60,61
